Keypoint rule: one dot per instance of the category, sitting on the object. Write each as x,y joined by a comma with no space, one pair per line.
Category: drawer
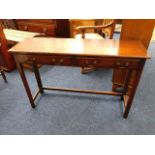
107,62
44,21
51,60
49,30
127,63
81,61
95,62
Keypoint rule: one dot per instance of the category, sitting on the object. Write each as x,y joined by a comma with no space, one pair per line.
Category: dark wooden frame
40,58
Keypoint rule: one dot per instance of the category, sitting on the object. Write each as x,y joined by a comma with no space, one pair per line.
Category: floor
72,113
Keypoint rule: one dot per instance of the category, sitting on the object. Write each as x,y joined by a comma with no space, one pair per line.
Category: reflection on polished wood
125,55
83,47
18,35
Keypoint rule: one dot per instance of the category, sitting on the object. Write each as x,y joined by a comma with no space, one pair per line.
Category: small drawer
96,62
107,62
51,60
48,30
127,63
37,21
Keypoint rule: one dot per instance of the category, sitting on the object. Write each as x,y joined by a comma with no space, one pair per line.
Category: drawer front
44,21
51,60
49,30
128,63
81,61
107,63
95,62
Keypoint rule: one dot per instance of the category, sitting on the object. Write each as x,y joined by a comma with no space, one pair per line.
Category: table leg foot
125,116
4,77
33,106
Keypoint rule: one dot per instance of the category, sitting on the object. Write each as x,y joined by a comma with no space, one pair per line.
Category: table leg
4,77
124,88
25,83
38,78
126,82
133,90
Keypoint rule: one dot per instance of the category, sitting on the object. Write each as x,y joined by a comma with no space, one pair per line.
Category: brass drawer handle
53,60
61,60
33,59
44,30
127,64
95,62
87,62
25,28
118,63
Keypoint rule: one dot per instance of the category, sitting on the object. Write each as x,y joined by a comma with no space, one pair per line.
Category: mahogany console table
125,54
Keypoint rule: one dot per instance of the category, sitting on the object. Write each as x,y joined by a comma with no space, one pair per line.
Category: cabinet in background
50,27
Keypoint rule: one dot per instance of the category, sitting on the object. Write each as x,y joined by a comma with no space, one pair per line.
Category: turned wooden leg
38,78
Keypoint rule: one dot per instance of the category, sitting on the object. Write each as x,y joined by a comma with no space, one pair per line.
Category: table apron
79,61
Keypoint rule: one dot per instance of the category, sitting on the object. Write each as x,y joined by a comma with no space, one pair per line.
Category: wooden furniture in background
133,29
50,27
102,29
15,36
46,26
74,23
62,28
8,23
128,55
6,60
11,37
138,29
2,64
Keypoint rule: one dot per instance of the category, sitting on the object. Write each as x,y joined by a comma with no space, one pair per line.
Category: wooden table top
83,47
18,35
